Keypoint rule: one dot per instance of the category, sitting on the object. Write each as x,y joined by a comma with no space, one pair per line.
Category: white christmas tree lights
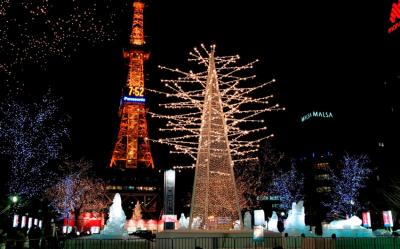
213,116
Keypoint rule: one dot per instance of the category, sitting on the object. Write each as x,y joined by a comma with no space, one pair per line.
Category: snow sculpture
115,226
347,228
247,220
353,222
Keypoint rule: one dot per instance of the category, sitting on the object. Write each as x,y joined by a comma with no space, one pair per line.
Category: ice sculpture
183,222
295,224
115,226
296,216
272,224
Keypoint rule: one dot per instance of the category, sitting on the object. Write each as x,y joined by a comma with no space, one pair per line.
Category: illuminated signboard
366,219
29,222
136,91
23,222
394,16
387,218
15,220
268,198
316,114
135,99
169,192
169,218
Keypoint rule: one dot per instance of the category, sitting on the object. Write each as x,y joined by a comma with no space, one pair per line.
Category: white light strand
184,98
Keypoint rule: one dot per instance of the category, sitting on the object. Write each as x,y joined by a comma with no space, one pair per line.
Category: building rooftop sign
317,114
394,17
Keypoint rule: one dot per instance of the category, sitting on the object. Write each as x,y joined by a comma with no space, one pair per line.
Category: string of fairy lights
35,31
243,104
32,136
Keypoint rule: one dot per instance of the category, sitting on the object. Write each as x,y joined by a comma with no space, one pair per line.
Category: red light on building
394,14
69,221
86,221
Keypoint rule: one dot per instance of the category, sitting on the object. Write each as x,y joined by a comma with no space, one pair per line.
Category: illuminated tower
213,116
132,146
214,198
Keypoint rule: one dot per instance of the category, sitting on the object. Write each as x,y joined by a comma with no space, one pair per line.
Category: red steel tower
132,146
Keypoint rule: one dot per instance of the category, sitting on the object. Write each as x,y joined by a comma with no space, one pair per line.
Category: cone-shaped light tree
216,121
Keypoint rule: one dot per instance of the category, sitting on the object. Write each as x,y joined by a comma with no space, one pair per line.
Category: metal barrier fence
108,244
220,243
278,242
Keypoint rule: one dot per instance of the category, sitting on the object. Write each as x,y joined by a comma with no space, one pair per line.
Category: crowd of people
32,238
19,238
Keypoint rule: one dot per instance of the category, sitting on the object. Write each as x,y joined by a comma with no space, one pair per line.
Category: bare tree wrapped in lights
347,184
215,119
76,191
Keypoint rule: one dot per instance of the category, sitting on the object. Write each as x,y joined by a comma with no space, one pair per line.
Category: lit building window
321,165
323,189
322,177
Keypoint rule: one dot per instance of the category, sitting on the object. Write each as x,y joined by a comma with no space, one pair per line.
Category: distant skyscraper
316,142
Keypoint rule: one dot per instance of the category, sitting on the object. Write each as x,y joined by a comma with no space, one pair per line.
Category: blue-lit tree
31,136
288,186
347,183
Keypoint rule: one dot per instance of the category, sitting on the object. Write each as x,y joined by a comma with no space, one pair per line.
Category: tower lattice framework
214,200
132,147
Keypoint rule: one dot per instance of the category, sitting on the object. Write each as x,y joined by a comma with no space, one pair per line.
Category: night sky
325,55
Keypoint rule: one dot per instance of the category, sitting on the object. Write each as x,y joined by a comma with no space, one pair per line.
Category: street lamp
14,199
